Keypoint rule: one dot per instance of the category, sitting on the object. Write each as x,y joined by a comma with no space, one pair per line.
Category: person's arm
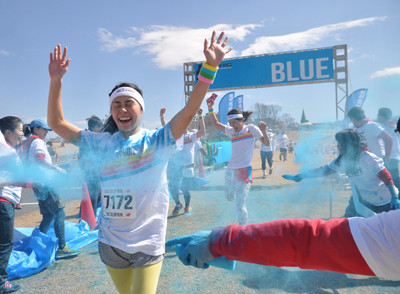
58,66
265,138
162,118
214,53
386,177
202,124
308,244
213,117
322,171
388,143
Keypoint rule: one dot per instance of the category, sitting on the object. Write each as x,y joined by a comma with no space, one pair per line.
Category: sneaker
66,252
9,288
176,209
270,171
18,206
264,176
188,210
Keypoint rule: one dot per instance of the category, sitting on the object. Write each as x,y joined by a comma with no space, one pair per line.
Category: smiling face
236,124
127,114
14,138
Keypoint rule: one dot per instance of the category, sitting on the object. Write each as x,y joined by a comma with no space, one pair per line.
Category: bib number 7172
118,204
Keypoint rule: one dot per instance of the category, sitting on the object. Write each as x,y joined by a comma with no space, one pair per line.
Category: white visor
127,91
235,116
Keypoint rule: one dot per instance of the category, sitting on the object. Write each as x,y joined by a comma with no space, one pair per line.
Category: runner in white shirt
267,154
367,171
239,174
10,195
51,205
133,178
283,141
385,119
372,134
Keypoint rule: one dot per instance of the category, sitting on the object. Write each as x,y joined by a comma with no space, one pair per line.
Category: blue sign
309,66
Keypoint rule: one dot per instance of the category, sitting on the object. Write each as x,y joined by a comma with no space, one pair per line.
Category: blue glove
395,203
296,178
193,250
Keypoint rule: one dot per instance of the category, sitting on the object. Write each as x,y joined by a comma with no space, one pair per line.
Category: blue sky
148,42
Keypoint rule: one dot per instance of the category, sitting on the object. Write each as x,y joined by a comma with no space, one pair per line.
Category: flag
225,105
238,102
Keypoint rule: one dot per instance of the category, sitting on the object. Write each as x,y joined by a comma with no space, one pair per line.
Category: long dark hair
246,114
350,144
110,126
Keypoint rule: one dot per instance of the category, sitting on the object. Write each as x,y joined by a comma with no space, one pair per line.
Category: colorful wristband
207,73
211,110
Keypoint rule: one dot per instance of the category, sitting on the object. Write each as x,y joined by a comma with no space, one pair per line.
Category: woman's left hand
215,51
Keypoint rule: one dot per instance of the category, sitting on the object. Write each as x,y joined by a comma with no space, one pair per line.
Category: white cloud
111,43
4,52
171,46
386,72
303,40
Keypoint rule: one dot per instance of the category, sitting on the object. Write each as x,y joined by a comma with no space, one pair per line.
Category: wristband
200,116
211,110
207,73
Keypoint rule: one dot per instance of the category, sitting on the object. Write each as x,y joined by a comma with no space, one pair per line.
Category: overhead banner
269,70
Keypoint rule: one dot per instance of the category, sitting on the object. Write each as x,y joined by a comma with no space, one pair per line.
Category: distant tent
303,118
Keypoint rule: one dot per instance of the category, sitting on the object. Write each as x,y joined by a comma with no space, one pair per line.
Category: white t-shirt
378,240
186,155
365,178
38,146
9,163
271,147
396,140
242,145
282,140
134,188
369,135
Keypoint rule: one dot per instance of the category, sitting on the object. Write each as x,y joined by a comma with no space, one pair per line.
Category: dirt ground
270,198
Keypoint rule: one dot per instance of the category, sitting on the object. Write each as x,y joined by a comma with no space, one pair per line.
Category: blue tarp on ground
34,251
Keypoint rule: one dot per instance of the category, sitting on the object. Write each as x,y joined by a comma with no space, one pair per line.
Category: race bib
118,203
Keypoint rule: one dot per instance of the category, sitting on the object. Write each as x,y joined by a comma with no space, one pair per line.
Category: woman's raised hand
58,65
215,51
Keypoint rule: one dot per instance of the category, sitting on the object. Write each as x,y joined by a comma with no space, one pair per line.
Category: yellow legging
141,280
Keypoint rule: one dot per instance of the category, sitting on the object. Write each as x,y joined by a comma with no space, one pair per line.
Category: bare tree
269,114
